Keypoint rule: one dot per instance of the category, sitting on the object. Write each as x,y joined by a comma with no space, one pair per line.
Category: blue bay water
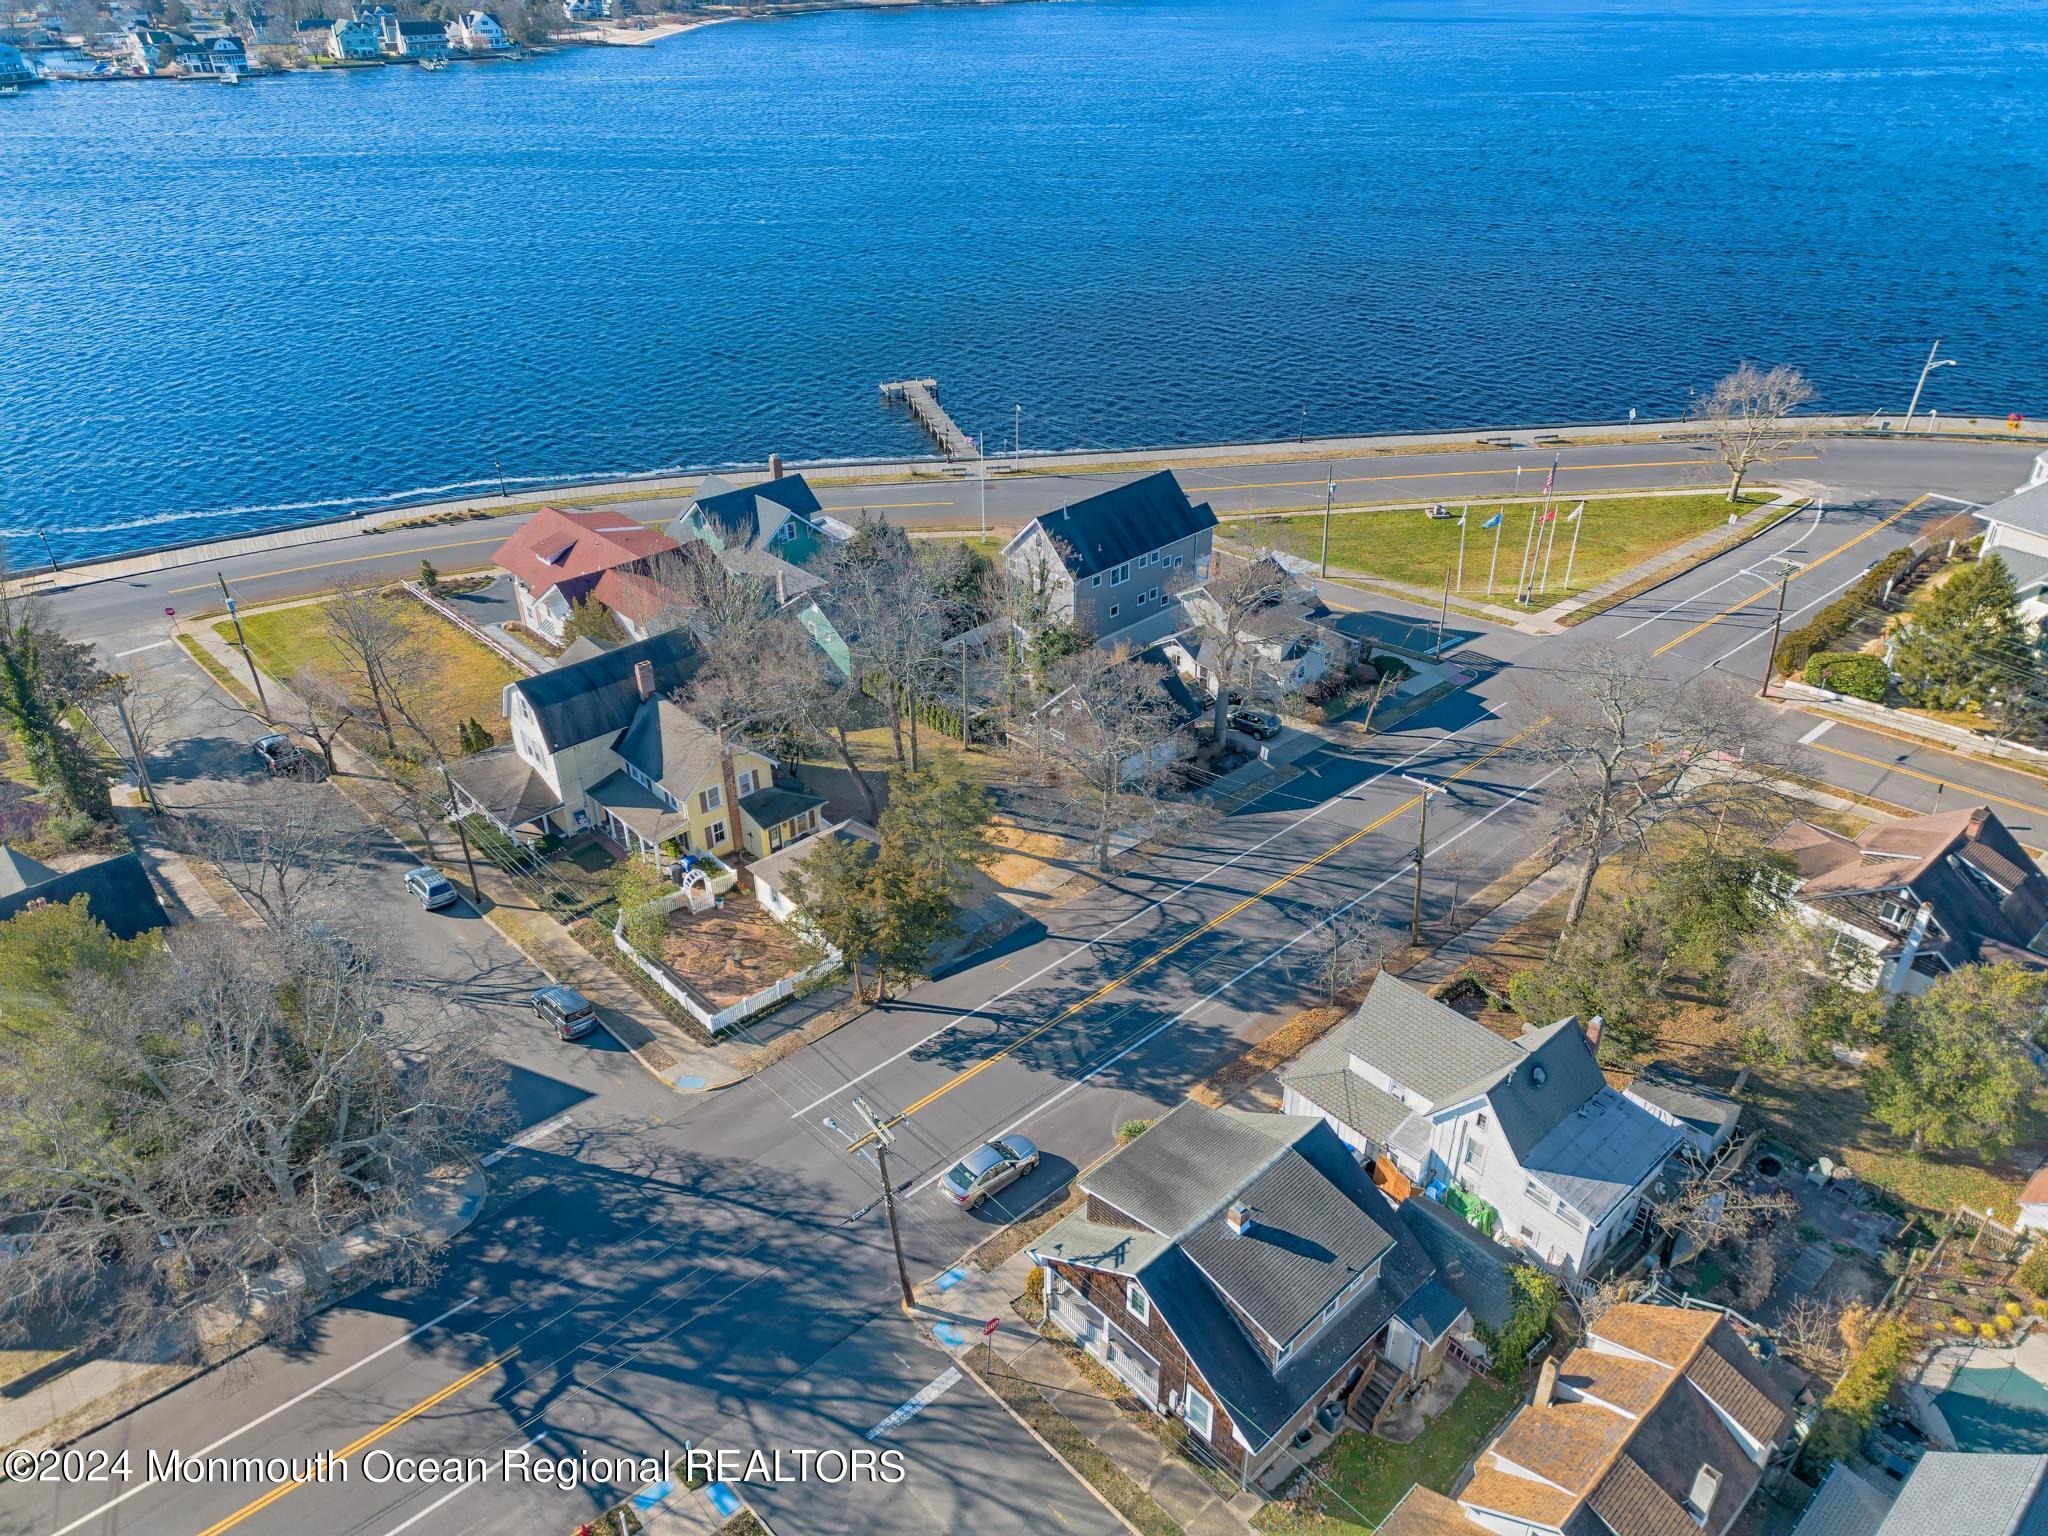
1145,221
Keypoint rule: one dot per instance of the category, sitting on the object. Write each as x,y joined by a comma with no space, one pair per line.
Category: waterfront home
407,37
15,68
560,559
1238,1271
152,50
600,745
2017,532
1661,1422
775,533
478,32
1110,564
1285,643
1904,903
223,55
353,41
588,10
1524,1137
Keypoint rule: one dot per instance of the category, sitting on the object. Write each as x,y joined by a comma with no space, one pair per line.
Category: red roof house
562,558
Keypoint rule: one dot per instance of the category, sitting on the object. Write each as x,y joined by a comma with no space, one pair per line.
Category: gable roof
1986,1493
773,871
557,546
1121,523
1845,1506
2026,508
1705,1111
669,745
1624,1437
18,871
599,697
748,517
1318,1223
1424,1046
117,892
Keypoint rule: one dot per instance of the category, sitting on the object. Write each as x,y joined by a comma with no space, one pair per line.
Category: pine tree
1967,641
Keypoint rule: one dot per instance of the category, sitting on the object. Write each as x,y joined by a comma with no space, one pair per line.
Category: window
1140,1305
746,784
715,838
1570,1217
1120,575
1112,610
1479,1121
1475,1154
1141,599
1200,1416
1896,914
1153,594
1094,581
1531,1190
711,799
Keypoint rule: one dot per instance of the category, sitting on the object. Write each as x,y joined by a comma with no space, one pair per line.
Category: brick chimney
1238,1218
643,678
774,466
1595,1028
1546,1383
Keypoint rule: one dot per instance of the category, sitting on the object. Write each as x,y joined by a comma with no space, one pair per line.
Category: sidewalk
74,1402
657,1042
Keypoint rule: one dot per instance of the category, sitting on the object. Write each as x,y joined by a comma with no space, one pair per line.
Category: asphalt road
667,1269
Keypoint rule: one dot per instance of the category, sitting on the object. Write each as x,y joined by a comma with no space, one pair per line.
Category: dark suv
570,1013
1260,723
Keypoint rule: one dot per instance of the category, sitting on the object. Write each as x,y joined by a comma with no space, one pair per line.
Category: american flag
1551,478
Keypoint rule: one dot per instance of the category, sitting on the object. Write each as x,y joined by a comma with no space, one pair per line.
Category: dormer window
1137,1303
1895,914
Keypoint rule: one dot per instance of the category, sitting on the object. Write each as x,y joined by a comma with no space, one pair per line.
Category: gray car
570,1013
989,1167
430,887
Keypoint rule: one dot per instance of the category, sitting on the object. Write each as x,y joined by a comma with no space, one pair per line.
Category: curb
967,1369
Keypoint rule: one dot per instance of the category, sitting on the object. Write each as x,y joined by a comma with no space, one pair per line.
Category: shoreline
405,509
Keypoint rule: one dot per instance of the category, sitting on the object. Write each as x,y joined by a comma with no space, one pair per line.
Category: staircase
1369,1401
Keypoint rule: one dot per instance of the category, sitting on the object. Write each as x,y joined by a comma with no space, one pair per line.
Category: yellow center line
968,1073
1811,565
1459,474
1914,773
361,1442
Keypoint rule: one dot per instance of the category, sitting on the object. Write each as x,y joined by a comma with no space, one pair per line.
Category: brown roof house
562,558
1239,1271
1661,1424
1905,902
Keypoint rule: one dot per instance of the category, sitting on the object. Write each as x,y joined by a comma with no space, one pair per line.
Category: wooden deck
922,396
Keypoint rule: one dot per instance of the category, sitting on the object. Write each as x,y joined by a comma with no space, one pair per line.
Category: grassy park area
1408,546
465,680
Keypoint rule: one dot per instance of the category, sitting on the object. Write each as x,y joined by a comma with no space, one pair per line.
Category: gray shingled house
1113,562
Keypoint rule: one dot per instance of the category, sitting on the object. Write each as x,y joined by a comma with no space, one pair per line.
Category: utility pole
882,1139
1329,501
243,641
1442,617
1421,851
981,445
142,781
1463,517
1778,618
476,892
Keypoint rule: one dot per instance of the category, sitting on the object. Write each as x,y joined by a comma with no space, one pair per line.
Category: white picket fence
475,630
694,1004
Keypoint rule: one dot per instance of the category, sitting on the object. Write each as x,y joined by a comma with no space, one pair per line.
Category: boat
10,90
433,63
230,77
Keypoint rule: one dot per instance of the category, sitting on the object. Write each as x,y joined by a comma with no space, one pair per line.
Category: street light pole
1329,501
981,444
1925,369
243,641
476,892
882,1140
1017,443
47,555
503,494
1442,618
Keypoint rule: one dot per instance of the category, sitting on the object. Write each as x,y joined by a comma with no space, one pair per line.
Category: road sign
988,1329
170,613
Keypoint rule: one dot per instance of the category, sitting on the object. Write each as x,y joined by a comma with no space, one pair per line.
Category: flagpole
1550,549
1499,522
1578,527
1462,517
1528,544
1549,523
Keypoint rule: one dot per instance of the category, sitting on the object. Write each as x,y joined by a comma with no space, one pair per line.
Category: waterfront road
714,1268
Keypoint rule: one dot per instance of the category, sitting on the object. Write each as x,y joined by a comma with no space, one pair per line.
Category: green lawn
1410,547
1360,1478
468,679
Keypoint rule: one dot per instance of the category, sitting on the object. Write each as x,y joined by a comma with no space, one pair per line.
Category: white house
222,55
14,67
1067,711
1288,642
1524,1137
407,38
353,40
771,875
2016,530
478,32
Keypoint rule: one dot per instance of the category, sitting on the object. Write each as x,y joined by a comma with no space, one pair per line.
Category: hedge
1852,1408
1850,672
1834,621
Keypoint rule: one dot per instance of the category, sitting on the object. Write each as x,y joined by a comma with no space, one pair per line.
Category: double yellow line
1811,565
967,1074
362,1442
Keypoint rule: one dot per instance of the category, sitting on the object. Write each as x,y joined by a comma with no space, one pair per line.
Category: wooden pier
922,396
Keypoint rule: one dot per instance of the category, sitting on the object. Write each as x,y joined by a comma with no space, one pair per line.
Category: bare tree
1112,725
823,710
312,705
281,848
1635,749
1810,1333
1344,943
1716,1207
1747,417
385,655
1376,693
1227,606
219,1117
894,611
141,710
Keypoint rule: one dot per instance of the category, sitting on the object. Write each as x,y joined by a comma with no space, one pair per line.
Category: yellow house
597,745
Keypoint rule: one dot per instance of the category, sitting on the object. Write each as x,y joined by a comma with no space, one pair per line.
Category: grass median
1405,545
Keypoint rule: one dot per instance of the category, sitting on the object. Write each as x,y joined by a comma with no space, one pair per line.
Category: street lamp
1925,369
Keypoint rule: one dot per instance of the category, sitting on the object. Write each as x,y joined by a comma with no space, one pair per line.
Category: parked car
1260,723
283,758
567,1011
992,1166
434,889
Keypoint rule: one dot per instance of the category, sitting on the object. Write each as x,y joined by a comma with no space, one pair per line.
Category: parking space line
922,1399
